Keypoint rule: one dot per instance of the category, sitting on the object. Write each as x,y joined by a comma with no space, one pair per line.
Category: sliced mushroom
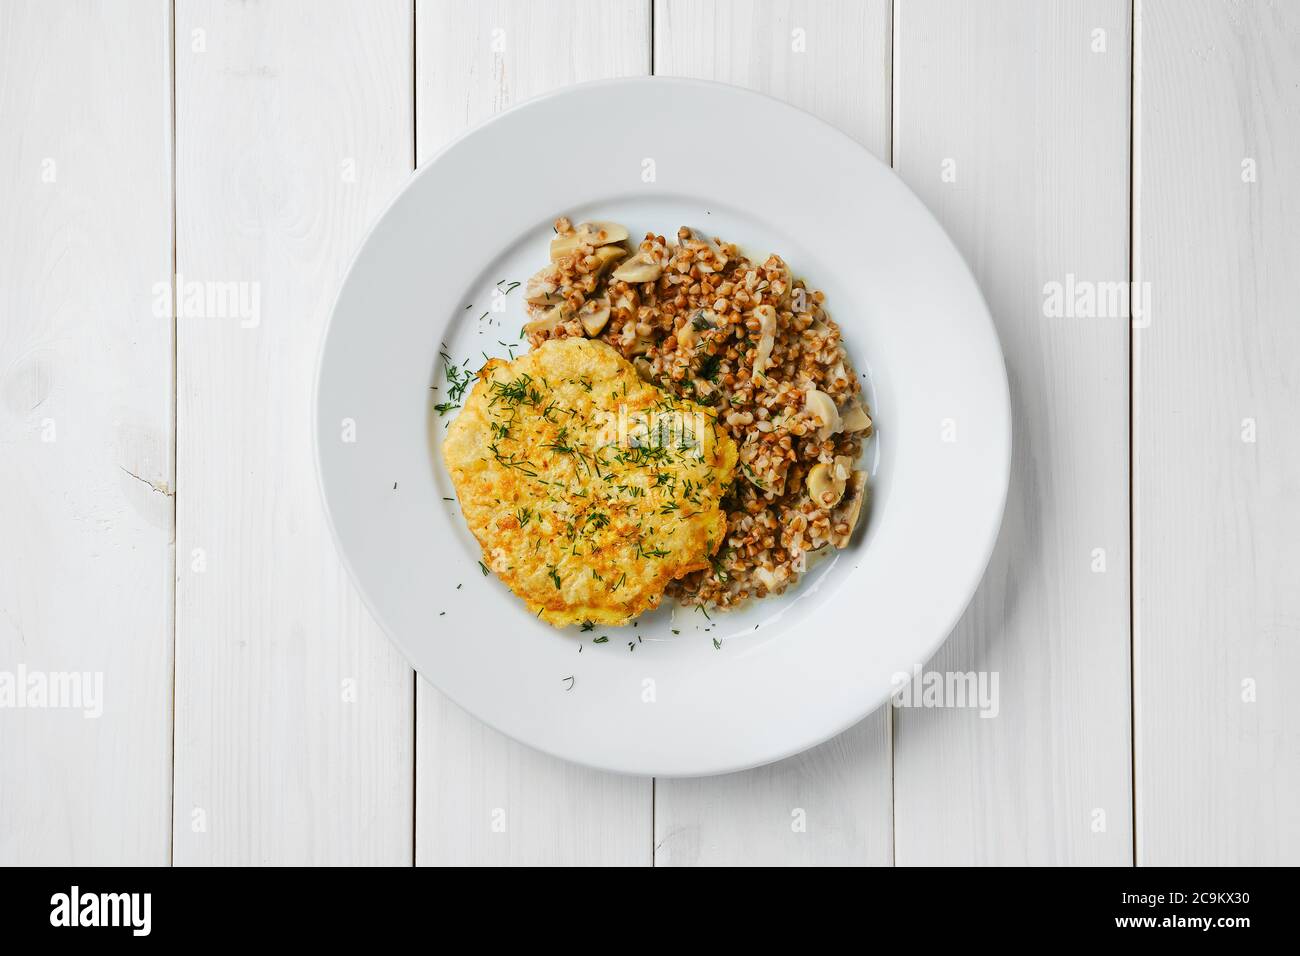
606,256
766,578
850,509
715,262
549,321
640,345
826,481
587,233
822,406
643,369
854,418
825,487
594,314
543,288
703,391
688,336
766,316
642,267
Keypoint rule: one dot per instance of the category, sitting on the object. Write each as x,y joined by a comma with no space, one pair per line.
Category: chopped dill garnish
520,391
719,571
458,379
709,368
644,552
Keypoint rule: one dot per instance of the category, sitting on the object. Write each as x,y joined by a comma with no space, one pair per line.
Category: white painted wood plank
85,428
1217,462
1015,101
481,797
294,714
829,57
831,805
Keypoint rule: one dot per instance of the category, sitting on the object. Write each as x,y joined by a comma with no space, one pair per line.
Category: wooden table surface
160,524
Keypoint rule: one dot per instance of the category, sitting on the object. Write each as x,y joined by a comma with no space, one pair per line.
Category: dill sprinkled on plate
458,380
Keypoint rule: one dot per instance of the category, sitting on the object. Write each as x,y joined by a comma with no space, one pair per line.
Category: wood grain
294,714
481,797
86,428
1217,461
830,805
829,57
1032,127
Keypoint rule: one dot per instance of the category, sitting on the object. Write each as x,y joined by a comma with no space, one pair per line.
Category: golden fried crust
584,514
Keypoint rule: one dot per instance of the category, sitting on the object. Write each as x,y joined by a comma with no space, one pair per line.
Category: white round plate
678,693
